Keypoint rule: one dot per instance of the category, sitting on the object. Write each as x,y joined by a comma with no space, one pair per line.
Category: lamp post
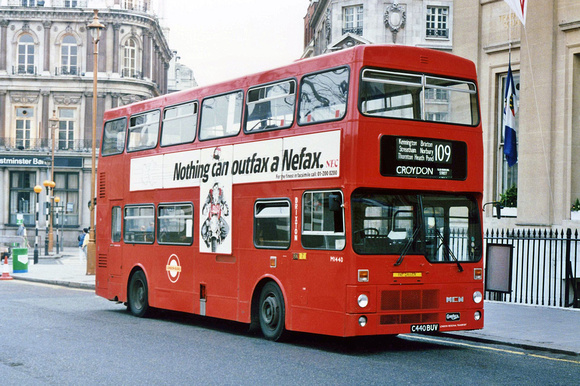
37,190
95,27
53,123
56,208
48,185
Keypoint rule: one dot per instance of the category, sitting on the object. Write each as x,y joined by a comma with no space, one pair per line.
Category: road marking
489,348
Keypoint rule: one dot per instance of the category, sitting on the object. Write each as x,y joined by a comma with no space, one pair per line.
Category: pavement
531,327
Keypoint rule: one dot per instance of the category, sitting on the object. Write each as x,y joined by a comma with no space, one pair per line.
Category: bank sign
22,161
301,157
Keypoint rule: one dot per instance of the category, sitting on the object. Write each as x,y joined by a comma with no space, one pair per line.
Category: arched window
130,59
26,54
69,56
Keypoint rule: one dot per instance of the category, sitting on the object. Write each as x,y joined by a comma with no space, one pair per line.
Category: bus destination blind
423,158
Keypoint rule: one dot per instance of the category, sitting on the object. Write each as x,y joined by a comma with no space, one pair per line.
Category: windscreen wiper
415,232
449,251
407,247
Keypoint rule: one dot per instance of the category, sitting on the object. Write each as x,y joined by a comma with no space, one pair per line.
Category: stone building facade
46,96
545,62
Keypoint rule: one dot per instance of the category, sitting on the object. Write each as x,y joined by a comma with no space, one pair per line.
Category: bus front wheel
138,295
272,313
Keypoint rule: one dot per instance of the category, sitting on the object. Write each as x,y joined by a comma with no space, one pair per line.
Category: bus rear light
363,275
362,321
478,274
363,300
477,315
477,297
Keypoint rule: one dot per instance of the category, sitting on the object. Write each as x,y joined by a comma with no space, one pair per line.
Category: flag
520,7
509,119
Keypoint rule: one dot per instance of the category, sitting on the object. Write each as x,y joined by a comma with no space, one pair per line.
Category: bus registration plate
425,327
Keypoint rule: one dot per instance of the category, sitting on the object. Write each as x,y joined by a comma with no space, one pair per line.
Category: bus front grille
407,300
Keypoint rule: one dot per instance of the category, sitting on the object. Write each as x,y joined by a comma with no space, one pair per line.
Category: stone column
146,59
116,27
3,125
535,176
3,37
46,64
44,135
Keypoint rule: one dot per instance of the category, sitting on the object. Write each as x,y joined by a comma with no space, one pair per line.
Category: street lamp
37,190
49,185
53,123
95,27
56,208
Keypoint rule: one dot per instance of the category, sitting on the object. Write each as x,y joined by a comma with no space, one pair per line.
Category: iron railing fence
545,268
45,144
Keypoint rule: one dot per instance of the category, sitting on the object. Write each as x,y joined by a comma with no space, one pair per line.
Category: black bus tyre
138,300
272,313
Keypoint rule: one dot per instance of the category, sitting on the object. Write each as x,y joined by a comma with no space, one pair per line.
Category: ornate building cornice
24,97
68,98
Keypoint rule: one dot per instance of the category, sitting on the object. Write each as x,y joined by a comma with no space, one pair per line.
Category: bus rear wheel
138,302
271,312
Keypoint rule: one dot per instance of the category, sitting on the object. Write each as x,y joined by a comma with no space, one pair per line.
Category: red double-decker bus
338,195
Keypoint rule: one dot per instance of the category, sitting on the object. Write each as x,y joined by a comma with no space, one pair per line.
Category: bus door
114,246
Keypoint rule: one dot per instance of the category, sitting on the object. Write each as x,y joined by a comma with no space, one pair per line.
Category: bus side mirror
497,205
334,202
498,209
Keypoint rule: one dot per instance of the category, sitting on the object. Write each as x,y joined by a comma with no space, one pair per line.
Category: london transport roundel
173,268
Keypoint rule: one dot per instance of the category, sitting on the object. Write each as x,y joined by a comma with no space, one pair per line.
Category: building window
507,176
67,188
30,3
69,56
437,22
26,55
135,5
70,4
22,198
130,59
24,117
66,129
352,20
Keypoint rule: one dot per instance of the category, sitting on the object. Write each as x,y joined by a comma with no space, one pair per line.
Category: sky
224,39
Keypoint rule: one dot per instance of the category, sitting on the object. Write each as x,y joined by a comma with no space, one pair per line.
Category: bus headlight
363,300
477,297
362,321
477,315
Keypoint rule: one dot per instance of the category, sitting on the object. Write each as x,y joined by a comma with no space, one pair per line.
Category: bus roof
414,59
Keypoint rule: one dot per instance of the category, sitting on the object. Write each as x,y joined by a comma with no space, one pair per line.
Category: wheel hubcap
270,311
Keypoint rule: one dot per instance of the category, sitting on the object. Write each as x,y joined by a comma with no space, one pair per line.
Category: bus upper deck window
271,106
179,124
114,137
419,97
143,131
221,116
323,96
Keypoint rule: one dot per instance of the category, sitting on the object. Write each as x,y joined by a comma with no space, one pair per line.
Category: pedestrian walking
82,237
